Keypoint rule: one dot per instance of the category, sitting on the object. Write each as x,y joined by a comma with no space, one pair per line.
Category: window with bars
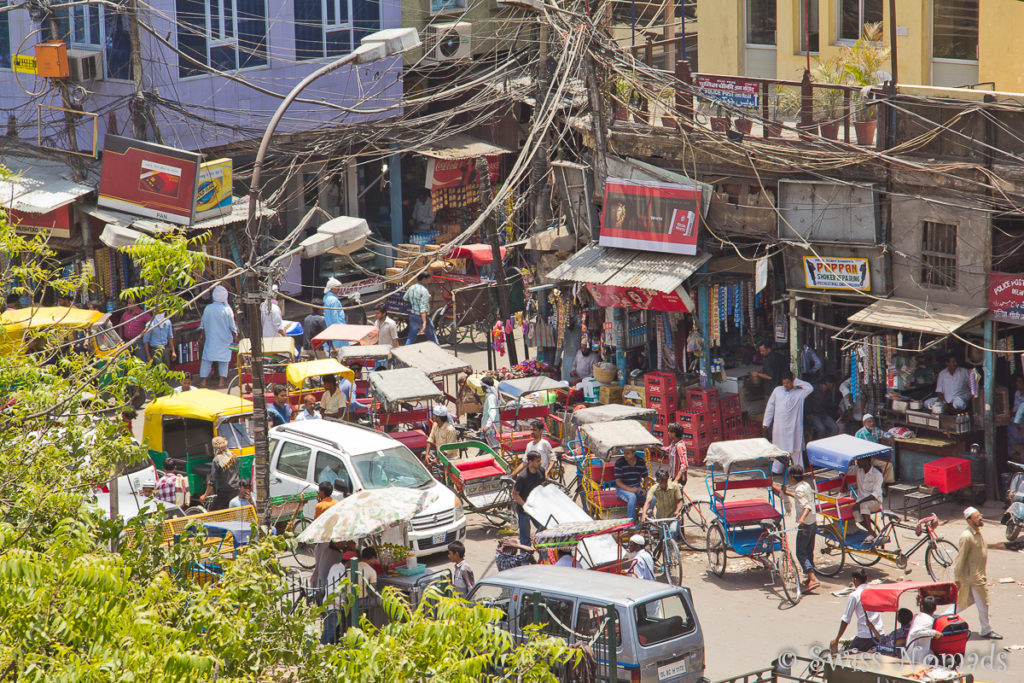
938,255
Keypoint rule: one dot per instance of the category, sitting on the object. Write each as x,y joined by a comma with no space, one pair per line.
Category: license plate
672,669
438,539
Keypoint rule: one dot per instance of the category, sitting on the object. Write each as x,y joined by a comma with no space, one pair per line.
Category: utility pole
539,166
261,460
141,113
62,86
499,268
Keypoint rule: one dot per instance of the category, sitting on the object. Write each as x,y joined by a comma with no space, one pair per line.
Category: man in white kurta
784,413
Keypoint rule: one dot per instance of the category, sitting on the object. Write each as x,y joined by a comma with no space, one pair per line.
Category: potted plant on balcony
863,64
828,102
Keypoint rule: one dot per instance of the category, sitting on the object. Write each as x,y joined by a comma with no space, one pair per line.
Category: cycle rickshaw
441,367
479,477
603,443
403,398
529,400
839,534
749,527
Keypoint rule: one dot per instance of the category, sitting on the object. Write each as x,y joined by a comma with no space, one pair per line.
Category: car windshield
395,466
662,619
107,338
237,430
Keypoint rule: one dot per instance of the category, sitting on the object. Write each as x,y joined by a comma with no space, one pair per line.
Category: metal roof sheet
429,358
39,186
916,316
460,146
628,268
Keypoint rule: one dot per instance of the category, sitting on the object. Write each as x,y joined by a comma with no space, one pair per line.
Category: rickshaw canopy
199,404
429,358
519,387
402,384
885,597
298,373
364,352
271,345
480,253
364,335
21,319
602,438
612,412
571,533
725,454
840,451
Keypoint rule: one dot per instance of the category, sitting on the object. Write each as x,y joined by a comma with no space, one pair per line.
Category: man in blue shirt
630,472
218,334
418,298
279,411
334,314
159,340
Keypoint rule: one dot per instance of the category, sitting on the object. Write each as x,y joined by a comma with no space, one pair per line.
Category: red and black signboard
147,179
641,299
1006,297
650,215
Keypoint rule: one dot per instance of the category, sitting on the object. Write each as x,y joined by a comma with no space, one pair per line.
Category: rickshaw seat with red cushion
605,498
602,473
745,511
478,468
845,504
515,442
836,483
403,417
525,413
413,439
759,483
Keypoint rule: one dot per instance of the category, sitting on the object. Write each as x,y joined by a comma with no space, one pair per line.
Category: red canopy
480,253
885,597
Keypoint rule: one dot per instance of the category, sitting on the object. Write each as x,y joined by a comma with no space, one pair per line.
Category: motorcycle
1013,517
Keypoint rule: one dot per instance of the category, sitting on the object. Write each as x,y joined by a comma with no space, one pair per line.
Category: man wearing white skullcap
441,432
334,314
969,572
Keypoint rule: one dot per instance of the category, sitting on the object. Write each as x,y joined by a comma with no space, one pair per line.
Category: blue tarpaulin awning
838,452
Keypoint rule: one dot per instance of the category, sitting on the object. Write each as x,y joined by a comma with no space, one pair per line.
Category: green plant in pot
864,64
828,102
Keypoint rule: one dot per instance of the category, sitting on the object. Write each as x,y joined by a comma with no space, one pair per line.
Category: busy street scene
528,340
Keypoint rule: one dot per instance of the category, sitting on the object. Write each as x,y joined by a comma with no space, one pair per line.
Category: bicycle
668,562
838,542
287,511
694,520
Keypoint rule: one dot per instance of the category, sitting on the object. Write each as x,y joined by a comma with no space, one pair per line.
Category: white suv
302,454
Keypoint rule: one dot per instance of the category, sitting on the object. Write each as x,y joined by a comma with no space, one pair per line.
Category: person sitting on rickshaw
565,558
642,563
348,389
919,635
333,401
309,411
279,411
245,495
667,500
895,643
442,432
630,472
869,500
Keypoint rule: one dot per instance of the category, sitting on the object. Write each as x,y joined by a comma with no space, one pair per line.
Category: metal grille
938,255
423,522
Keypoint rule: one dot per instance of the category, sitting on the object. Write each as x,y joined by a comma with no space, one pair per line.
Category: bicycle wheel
693,532
939,559
303,552
670,569
789,575
501,512
715,544
830,557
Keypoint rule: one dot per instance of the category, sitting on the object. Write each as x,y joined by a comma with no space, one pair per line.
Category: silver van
659,638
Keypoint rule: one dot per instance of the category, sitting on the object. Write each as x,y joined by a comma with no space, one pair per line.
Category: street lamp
341,236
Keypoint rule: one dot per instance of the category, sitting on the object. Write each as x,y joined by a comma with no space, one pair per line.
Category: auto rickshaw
19,326
181,426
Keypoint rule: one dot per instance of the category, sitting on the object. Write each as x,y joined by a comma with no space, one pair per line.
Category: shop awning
460,146
123,229
628,278
912,315
480,253
39,186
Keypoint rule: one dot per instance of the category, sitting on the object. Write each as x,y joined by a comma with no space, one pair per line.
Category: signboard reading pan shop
837,273
651,216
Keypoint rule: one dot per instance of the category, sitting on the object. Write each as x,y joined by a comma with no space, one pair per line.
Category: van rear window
662,619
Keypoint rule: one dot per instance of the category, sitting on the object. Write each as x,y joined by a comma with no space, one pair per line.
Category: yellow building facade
948,43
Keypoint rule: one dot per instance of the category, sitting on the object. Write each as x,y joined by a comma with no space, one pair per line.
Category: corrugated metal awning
460,146
39,186
912,315
599,265
239,214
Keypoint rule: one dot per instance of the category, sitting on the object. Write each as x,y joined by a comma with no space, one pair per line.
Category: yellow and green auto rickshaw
306,377
182,426
19,327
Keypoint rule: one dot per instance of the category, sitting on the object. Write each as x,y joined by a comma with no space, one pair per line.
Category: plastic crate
696,456
661,384
702,398
663,420
660,433
948,474
729,404
691,420
663,404
731,423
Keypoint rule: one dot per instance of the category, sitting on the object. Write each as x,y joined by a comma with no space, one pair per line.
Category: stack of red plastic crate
732,416
703,402
662,396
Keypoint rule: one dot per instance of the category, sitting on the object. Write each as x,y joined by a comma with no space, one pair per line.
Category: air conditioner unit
447,42
85,65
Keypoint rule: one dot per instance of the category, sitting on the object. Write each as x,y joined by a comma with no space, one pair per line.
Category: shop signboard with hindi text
146,179
1006,297
731,92
641,299
651,215
827,272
